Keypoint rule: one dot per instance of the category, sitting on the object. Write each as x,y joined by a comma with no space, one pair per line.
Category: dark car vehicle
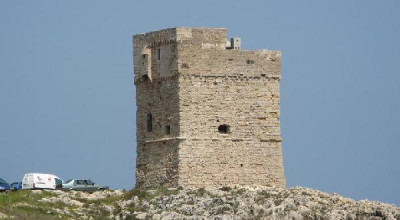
4,185
16,186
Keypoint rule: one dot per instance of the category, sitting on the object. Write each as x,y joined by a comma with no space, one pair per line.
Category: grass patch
223,210
304,193
263,196
141,194
23,196
144,194
27,204
200,192
240,191
162,191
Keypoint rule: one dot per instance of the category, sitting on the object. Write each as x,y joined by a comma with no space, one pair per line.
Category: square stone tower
207,111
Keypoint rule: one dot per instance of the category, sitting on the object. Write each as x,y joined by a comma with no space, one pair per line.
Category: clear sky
67,98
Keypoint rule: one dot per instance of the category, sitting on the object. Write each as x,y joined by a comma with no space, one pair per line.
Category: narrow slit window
168,129
149,122
158,54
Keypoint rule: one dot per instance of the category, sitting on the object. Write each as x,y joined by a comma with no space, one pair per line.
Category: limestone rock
196,204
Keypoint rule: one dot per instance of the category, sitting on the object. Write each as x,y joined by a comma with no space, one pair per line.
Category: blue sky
67,99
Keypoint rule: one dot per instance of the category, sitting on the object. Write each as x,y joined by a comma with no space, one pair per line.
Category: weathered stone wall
208,86
250,153
157,94
157,156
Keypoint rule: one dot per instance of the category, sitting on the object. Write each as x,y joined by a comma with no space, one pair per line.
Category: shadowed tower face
207,111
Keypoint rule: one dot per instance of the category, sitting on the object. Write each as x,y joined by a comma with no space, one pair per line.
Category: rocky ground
216,204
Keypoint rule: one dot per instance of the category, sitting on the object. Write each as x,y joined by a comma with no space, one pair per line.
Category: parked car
82,185
41,181
4,185
16,186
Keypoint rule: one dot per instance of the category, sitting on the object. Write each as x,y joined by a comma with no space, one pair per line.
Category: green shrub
225,188
141,194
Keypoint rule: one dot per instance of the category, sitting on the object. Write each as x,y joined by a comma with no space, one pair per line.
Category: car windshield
89,182
68,181
58,181
2,181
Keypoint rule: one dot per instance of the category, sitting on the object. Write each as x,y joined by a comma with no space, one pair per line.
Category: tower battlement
207,111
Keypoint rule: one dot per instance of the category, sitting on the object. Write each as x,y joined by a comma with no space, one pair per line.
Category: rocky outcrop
217,204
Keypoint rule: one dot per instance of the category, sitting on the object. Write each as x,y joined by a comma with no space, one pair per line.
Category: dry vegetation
162,203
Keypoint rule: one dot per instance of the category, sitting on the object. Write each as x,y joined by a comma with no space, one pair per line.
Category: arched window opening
149,122
224,129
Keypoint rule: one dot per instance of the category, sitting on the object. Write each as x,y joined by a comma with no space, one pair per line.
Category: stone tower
207,111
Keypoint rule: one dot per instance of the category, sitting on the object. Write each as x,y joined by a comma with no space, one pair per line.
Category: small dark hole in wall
224,129
145,77
144,55
263,75
241,165
250,61
185,66
217,120
168,129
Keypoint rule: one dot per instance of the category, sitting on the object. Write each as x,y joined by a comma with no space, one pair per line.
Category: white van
41,181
